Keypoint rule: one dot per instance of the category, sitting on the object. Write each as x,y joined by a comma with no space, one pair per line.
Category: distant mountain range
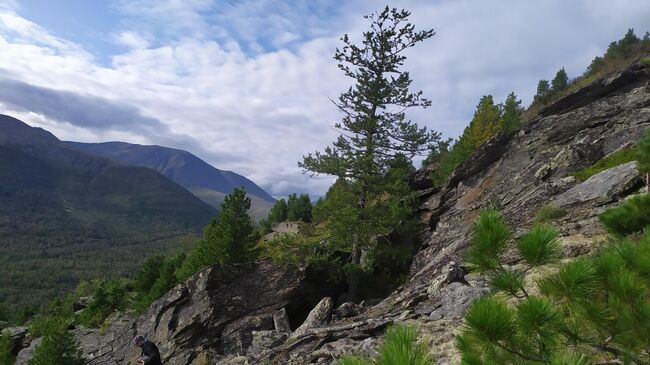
203,180
69,213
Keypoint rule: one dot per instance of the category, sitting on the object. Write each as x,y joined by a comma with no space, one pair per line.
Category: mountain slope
203,180
519,172
66,215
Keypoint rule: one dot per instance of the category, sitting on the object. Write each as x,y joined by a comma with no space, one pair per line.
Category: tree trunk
353,277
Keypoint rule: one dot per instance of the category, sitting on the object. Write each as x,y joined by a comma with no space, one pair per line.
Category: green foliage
631,217
612,160
642,153
549,212
299,208
512,113
228,239
6,348
560,81
645,61
592,308
400,346
110,296
159,279
489,236
374,132
543,94
489,119
539,246
58,347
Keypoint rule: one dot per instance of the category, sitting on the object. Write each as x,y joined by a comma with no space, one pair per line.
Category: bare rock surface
603,187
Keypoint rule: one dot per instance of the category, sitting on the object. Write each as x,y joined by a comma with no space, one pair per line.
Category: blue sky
245,85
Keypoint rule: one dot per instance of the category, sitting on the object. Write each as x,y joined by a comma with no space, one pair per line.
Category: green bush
110,296
6,347
615,159
58,347
549,212
631,217
489,236
399,347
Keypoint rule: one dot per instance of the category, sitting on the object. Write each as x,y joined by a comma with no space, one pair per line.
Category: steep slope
519,172
66,215
204,181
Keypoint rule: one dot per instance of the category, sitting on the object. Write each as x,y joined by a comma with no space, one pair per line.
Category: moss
549,212
645,61
615,159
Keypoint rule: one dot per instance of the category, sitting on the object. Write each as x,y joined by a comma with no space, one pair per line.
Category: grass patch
645,61
549,212
615,159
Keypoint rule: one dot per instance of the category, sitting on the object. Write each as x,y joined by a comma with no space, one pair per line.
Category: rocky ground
244,314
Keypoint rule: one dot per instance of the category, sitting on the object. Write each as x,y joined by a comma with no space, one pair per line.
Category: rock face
221,311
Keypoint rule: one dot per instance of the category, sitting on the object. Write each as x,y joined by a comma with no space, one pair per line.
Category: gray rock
318,317
18,337
281,320
602,187
347,310
456,298
26,354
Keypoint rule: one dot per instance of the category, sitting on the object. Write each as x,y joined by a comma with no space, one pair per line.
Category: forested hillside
66,216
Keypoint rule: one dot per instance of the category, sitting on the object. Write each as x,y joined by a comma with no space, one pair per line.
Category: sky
246,85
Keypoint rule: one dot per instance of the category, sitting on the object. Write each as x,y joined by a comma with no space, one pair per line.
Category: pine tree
299,208
543,92
374,128
643,157
58,347
486,123
560,81
279,212
512,112
228,239
593,307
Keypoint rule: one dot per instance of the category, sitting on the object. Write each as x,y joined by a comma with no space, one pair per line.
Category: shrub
489,236
549,212
591,308
399,347
6,348
631,217
58,346
614,159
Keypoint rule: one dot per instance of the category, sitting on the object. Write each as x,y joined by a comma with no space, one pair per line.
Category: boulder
318,317
602,187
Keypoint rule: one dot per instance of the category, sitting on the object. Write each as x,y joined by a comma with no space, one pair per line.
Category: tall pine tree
512,112
374,128
560,81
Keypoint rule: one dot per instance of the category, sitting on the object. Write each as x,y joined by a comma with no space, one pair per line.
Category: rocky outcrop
220,312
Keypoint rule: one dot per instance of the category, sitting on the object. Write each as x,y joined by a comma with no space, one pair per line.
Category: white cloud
222,82
132,40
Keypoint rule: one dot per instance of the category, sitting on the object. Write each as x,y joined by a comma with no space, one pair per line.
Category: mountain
66,215
203,180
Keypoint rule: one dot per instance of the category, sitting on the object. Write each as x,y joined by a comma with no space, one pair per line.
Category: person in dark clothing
150,354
